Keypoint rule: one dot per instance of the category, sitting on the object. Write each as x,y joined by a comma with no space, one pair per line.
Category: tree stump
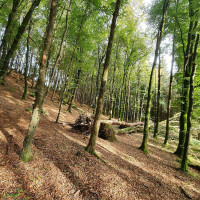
107,132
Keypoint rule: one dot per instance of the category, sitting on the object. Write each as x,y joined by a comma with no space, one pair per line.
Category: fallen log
123,124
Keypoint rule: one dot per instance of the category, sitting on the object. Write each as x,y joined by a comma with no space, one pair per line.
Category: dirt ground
61,169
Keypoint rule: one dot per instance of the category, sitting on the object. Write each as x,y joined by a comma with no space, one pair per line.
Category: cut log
122,124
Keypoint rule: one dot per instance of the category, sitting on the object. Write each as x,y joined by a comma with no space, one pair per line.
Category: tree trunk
26,154
155,136
35,68
60,49
5,62
74,91
169,95
95,129
112,87
8,31
184,163
27,63
186,81
148,107
55,85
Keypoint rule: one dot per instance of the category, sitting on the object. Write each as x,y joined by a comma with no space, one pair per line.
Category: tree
95,129
147,114
4,62
26,154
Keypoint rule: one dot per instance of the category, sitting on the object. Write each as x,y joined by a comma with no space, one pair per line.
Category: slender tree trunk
95,129
112,87
184,163
27,63
26,154
59,55
55,85
169,95
155,136
5,62
148,107
35,68
74,91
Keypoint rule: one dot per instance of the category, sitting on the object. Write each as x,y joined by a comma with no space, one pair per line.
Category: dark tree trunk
8,31
186,81
26,154
95,129
148,107
5,62
184,163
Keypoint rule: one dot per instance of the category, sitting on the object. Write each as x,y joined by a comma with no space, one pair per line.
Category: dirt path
61,169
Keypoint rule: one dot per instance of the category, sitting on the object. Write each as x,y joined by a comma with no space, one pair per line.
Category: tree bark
186,81
184,163
8,31
26,154
59,55
95,129
5,62
148,107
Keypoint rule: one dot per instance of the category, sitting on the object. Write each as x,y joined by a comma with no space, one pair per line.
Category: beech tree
91,145
26,154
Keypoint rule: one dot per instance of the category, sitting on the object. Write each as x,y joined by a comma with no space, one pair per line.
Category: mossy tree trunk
26,154
95,129
148,107
27,63
5,63
184,163
170,94
8,31
186,80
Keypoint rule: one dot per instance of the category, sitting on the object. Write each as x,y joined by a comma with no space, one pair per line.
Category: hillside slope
61,169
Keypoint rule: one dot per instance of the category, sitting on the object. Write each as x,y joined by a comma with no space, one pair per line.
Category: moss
107,132
26,156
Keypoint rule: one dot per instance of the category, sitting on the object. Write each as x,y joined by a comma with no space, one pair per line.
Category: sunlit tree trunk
148,107
26,154
169,95
155,136
95,129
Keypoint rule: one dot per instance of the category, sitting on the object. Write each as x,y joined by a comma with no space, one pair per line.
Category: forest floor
61,169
